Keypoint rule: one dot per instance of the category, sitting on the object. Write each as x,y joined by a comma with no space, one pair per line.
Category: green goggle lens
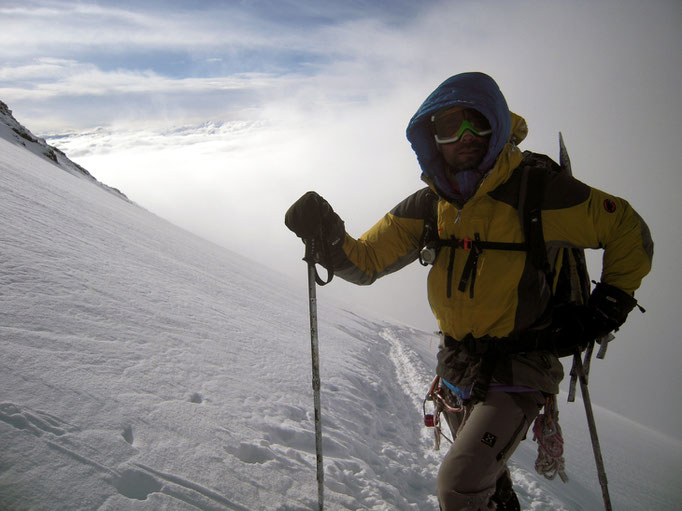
450,128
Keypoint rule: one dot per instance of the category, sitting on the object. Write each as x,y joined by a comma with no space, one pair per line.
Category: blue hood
473,90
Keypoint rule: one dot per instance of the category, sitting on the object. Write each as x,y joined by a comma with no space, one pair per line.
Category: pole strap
313,256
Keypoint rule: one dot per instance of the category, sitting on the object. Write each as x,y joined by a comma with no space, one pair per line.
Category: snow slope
144,368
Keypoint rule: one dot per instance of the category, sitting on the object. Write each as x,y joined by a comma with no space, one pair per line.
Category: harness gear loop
440,404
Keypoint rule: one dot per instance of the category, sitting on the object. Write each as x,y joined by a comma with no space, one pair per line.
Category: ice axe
580,372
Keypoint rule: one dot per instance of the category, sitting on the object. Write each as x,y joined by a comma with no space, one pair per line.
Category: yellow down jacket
507,294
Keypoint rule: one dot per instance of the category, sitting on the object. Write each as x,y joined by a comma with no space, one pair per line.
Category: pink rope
547,433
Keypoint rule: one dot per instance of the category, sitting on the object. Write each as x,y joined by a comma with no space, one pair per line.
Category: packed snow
144,368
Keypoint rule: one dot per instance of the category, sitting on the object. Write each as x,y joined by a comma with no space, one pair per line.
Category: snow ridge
13,131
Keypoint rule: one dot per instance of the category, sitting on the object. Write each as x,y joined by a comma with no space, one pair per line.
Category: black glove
312,218
577,325
611,307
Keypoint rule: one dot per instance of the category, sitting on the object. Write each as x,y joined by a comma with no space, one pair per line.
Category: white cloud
73,79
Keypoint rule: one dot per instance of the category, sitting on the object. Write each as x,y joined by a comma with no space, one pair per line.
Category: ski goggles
450,126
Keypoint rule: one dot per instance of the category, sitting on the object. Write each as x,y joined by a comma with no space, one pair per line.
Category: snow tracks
378,454
41,441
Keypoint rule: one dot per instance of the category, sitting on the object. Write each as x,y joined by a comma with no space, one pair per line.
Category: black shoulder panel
508,192
420,205
564,191
561,191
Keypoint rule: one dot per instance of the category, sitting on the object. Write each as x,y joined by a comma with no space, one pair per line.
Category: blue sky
90,50
218,115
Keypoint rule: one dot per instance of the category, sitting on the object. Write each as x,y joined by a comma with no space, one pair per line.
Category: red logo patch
609,205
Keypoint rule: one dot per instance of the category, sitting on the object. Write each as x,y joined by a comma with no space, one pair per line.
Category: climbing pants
485,436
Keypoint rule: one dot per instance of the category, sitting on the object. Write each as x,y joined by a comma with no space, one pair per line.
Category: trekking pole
580,371
314,278
582,378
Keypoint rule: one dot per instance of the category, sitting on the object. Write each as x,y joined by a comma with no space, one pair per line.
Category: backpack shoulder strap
534,168
573,282
429,237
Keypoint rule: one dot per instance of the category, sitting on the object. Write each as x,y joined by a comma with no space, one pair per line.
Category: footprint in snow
33,421
252,453
136,484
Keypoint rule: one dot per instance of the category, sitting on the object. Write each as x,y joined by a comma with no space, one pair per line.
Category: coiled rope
547,433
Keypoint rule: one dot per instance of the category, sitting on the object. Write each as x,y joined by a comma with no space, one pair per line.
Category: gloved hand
311,217
576,325
611,307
